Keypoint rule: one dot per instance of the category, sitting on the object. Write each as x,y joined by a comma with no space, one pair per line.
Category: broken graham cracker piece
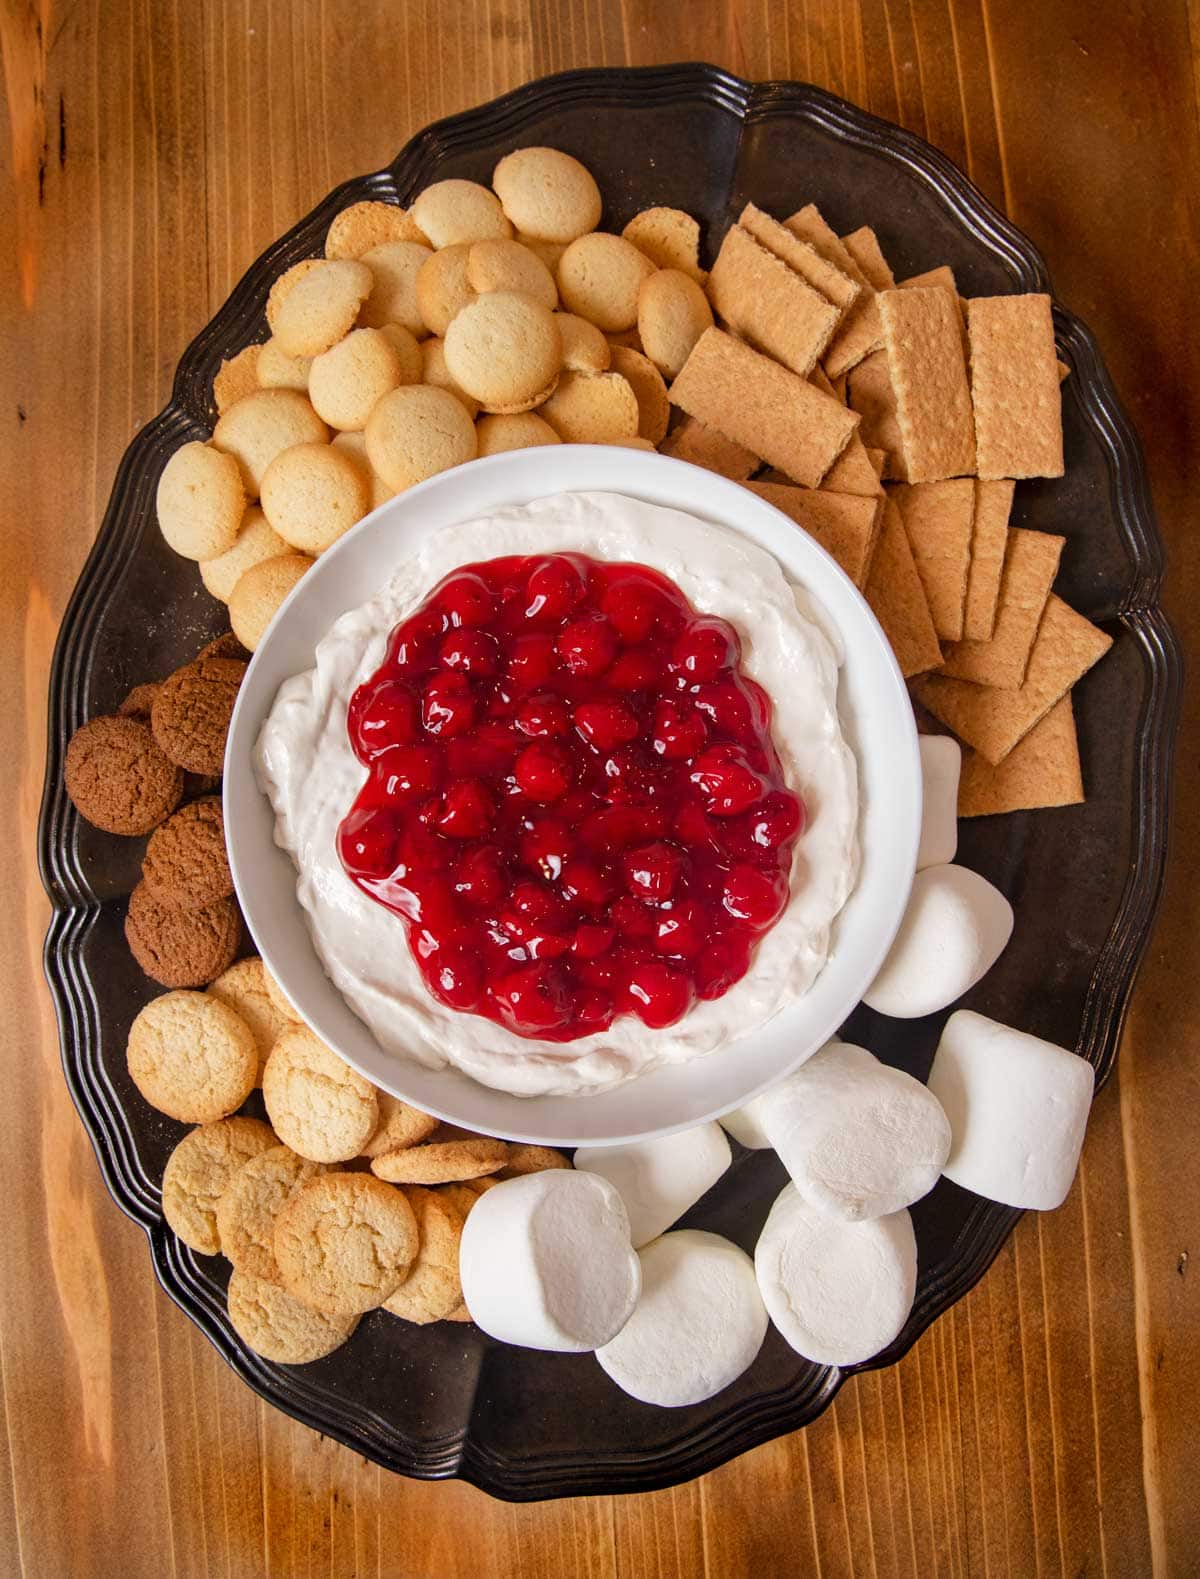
843,524
860,333
1030,566
938,517
863,246
869,392
693,441
1041,770
989,542
923,336
1066,647
1015,386
943,275
897,598
853,472
755,401
836,286
769,305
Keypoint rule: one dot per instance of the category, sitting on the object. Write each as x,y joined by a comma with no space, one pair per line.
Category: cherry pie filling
573,800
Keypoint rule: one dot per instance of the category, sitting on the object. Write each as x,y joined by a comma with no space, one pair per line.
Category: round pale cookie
393,298
585,350
432,1289
365,225
255,600
236,376
282,1003
199,1171
547,194
281,1327
669,238
256,540
409,348
312,494
523,1158
673,313
441,1162
277,370
346,381
548,251
251,1202
597,409
453,211
345,1242
244,988
191,1057
200,501
505,350
523,431
317,1104
434,371
257,428
599,277
321,307
400,1125
627,337
443,288
282,287
417,431
460,1196
502,265
654,404
355,445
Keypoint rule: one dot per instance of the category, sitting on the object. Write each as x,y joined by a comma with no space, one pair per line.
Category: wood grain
1048,1424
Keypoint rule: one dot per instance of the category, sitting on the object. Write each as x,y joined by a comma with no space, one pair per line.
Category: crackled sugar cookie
281,1327
200,501
119,778
256,540
185,862
365,225
505,349
456,211
321,306
520,431
312,494
244,988
344,1242
443,288
191,1057
393,298
417,431
182,948
198,1173
431,1289
259,593
547,194
502,265
250,1204
257,428
442,1162
601,409
599,277
400,1125
318,1105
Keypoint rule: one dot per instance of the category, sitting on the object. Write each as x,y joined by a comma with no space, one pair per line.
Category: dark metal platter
446,1400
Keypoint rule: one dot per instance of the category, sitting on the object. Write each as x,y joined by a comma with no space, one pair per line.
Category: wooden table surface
1049,1423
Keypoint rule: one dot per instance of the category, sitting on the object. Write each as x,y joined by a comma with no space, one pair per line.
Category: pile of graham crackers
894,419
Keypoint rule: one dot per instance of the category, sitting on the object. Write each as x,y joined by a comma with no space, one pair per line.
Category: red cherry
780,817
380,717
410,772
682,928
545,847
532,1000
679,731
587,882
633,608
633,919
757,898
486,752
704,649
466,811
591,940
727,780
605,724
721,964
652,870
413,644
594,1011
456,978
543,772
660,995
472,651
619,827
369,846
448,707
554,587
693,826
466,599
738,708
479,877
543,714
635,670
587,646
531,660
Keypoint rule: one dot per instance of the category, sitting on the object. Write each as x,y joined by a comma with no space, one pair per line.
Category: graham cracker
923,336
1066,647
989,541
801,256
1041,770
1064,372
703,446
853,472
863,246
938,517
762,405
843,523
897,598
1015,386
768,304
943,275
878,460
869,392
860,333
1030,566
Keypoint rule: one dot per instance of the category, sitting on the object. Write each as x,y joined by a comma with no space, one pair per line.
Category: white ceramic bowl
876,717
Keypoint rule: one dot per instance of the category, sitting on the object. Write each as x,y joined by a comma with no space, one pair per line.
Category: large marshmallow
660,1179
954,930
699,1323
1017,1107
859,1138
838,1292
941,765
546,1261
745,1124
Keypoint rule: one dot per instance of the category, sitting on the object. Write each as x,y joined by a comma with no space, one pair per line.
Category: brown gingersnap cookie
191,712
139,702
223,646
119,778
182,948
186,864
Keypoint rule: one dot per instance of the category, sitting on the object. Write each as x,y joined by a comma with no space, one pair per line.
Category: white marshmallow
954,930
941,764
859,1138
838,1292
546,1261
659,1179
745,1124
1018,1108
699,1323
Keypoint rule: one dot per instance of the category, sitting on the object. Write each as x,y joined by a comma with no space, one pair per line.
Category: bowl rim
864,929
